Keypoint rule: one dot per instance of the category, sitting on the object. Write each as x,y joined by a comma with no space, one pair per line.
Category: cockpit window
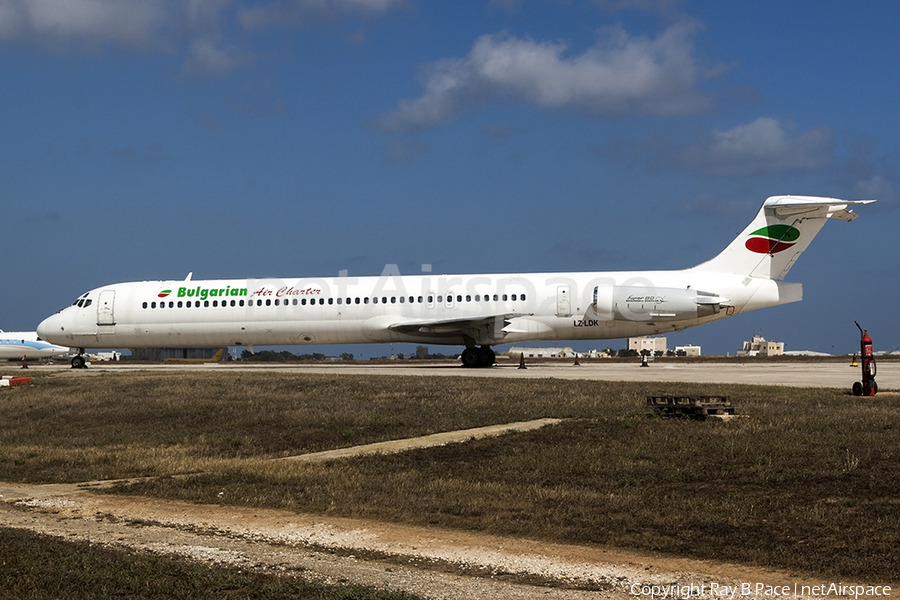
83,301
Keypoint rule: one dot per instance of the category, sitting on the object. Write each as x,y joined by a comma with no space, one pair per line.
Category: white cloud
766,145
125,23
297,11
619,75
207,30
763,146
208,57
877,187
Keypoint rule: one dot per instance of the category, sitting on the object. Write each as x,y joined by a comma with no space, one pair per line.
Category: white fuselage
19,344
435,309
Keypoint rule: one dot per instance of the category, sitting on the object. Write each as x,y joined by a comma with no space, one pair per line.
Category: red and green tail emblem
772,239
164,293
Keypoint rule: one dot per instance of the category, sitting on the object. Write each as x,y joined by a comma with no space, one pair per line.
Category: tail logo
772,239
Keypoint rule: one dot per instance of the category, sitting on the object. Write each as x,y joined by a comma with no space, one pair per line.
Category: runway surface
830,374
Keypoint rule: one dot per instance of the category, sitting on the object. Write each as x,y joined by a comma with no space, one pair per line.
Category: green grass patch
805,479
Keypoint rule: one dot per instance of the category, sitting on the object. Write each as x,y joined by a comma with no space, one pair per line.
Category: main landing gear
478,357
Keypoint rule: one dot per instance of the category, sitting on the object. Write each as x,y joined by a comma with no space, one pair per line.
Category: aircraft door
563,304
106,308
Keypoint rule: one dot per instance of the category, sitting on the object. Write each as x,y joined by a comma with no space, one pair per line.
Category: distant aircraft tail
781,231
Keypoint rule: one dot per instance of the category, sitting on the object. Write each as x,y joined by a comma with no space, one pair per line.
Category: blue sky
143,139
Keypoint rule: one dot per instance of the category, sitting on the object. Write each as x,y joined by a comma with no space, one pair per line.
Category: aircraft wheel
487,357
78,362
471,357
857,389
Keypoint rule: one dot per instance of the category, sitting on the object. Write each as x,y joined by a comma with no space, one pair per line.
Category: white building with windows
652,344
759,346
515,351
688,350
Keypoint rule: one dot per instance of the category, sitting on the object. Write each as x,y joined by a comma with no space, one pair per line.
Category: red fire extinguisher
868,387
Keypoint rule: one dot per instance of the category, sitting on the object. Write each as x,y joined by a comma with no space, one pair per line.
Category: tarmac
825,374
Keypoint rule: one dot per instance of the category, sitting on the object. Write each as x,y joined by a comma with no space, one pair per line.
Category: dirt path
432,562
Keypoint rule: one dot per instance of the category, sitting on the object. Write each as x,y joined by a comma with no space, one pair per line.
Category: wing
480,328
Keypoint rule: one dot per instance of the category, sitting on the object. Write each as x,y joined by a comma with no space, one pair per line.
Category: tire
471,357
487,357
857,389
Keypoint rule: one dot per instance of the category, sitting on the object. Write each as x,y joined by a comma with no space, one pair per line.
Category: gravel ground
431,562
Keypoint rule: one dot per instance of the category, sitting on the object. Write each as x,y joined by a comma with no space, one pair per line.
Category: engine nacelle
646,303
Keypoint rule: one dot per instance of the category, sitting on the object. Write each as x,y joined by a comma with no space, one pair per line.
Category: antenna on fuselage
189,275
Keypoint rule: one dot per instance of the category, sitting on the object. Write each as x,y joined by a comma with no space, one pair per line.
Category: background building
758,346
515,351
653,344
688,350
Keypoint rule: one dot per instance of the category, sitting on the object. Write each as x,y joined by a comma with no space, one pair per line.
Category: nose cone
52,329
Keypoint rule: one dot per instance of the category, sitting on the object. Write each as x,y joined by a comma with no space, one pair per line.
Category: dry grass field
804,479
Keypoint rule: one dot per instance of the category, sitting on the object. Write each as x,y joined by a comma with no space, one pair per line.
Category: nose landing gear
78,361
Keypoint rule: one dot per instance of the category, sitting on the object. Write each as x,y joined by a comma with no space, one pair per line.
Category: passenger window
521,296
495,297
206,303
439,299
468,298
179,304
331,301
504,297
356,301
365,300
459,298
171,304
402,299
339,300
393,300
144,305
153,305
384,300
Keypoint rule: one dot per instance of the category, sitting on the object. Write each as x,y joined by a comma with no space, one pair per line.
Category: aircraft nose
52,330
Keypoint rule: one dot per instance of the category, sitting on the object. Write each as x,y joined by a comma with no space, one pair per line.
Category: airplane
477,311
19,344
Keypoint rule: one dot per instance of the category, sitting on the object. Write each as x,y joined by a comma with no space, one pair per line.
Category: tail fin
781,231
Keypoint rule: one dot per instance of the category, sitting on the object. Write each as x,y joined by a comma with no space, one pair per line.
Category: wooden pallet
691,407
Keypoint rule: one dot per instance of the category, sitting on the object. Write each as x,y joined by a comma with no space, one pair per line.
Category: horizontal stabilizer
784,227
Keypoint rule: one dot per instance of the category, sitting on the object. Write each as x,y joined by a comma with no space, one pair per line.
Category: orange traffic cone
853,364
